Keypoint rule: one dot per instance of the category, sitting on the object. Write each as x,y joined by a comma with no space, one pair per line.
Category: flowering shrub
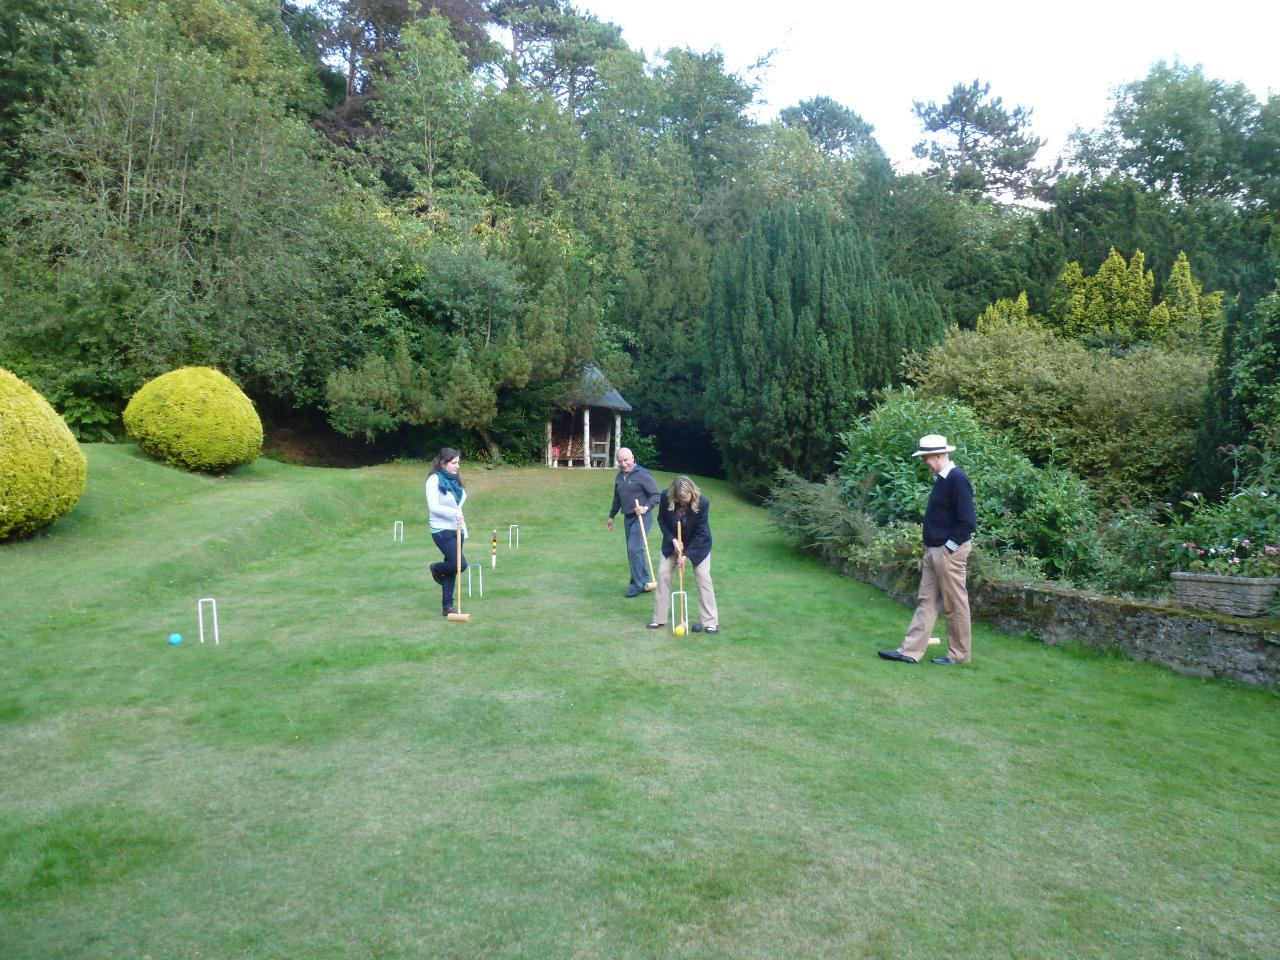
1240,558
1239,536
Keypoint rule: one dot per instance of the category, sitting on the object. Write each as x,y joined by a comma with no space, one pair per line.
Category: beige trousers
942,588
707,611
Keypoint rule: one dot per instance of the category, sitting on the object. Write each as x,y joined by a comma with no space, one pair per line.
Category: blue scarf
449,483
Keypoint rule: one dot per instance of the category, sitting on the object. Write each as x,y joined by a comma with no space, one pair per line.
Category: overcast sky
876,59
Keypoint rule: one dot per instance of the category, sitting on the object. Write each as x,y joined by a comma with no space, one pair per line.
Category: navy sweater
696,528
950,514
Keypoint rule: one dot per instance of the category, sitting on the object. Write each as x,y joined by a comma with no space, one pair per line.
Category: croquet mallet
458,616
680,624
653,583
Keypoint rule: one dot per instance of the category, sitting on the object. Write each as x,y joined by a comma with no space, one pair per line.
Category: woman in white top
445,497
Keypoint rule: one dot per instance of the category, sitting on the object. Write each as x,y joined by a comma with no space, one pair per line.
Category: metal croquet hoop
213,607
683,619
397,532
513,527
480,571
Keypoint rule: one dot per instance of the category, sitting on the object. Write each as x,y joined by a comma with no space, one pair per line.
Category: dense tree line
384,219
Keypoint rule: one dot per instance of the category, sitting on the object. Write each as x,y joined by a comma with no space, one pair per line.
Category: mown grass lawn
350,776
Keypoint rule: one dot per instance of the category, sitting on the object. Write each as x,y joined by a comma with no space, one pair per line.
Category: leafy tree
1185,135
521,145
988,150
833,128
40,41
791,168
363,32
704,109
309,33
477,295
622,115
177,219
424,107
555,48
247,36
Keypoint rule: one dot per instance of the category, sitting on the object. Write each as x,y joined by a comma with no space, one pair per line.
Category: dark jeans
448,567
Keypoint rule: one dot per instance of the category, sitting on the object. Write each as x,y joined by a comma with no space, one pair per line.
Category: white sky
1060,60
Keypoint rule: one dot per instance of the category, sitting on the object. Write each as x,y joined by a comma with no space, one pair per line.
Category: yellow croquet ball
679,631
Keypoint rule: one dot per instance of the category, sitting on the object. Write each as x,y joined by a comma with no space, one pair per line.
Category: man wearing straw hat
949,523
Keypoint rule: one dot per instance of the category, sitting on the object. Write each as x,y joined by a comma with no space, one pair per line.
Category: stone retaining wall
1197,644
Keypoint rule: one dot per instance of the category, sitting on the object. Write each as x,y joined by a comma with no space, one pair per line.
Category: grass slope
350,776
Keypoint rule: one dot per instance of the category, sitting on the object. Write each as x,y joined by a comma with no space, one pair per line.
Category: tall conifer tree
802,326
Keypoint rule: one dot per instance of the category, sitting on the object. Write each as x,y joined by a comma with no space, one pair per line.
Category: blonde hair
684,490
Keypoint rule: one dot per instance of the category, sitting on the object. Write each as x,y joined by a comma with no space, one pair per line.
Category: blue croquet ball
175,639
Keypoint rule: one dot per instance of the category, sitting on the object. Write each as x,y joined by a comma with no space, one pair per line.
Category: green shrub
645,449
1125,424
896,551
42,469
815,517
1137,555
988,563
195,418
1045,513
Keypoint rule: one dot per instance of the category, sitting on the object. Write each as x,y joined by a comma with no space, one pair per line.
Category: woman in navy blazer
684,503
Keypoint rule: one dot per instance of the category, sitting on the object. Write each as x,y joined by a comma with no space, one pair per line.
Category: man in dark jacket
633,484
949,525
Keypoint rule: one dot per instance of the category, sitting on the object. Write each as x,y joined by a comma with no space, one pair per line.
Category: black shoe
655,625
449,610
895,655
633,592
436,575
944,661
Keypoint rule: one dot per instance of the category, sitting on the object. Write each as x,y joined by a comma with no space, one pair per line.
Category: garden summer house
589,432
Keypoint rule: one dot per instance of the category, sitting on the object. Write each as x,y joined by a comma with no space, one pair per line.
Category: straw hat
933,443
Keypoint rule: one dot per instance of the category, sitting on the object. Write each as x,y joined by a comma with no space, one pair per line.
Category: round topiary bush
194,418
42,469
